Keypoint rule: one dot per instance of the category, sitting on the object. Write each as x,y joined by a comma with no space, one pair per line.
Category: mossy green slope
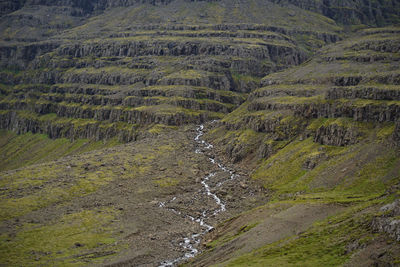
26,149
99,206
341,160
321,134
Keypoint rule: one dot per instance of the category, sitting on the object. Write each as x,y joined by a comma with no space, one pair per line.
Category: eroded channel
190,243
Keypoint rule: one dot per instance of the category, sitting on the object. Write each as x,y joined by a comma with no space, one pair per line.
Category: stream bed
190,243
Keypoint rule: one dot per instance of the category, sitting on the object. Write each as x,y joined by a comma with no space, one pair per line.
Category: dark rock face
388,222
20,56
367,92
396,134
312,161
374,113
177,58
11,121
285,55
335,135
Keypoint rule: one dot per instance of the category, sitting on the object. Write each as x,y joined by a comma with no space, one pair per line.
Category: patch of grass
160,128
26,149
331,179
12,207
167,182
386,131
324,244
245,78
75,239
231,236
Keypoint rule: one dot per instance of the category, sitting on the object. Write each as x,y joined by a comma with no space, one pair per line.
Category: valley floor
104,206
129,205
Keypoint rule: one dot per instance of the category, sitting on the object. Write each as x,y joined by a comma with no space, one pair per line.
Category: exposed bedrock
335,135
396,134
110,114
19,56
11,121
365,92
284,54
369,112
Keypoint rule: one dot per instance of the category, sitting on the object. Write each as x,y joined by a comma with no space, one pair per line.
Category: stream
190,243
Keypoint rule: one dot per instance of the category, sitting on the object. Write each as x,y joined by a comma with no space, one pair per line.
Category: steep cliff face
173,73
334,98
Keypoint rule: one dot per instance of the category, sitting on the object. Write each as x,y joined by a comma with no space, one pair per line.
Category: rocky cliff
333,98
173,73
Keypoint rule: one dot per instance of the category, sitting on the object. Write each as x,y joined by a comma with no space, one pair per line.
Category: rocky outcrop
218,82
335,135
80,89
282,91
255,123
188,92
313,160
93,130
396,134
276,53
265,150
364,92
106,77
19,56
389,223
388,46
120,113
385,78
367,112
347,80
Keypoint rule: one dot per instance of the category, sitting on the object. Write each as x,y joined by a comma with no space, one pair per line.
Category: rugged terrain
103,161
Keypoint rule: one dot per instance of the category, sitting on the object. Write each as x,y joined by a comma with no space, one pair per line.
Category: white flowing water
191,243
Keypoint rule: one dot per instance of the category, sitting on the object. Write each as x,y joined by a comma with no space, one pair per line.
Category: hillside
226,133
322,138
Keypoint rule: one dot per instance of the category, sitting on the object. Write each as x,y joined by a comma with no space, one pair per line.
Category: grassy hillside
333,173
100,103
27,149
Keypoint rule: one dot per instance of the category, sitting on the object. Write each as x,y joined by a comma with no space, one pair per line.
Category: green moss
230,236
188,74
56,243
386,131
174,110
331,179
247,136
325,244
160,128
282,176
237,78
316,123
372,178
53,194
167,182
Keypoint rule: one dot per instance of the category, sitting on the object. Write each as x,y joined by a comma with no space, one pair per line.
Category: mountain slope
259,133
111,76
319,139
